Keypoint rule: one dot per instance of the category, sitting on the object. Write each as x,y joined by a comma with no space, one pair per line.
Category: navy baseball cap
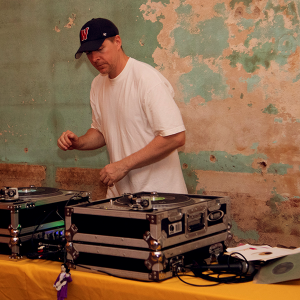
93,33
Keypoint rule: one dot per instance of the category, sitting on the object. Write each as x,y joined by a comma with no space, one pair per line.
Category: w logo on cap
84,33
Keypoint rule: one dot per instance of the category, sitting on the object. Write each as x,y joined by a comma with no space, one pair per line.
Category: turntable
28,213
148,227
149,201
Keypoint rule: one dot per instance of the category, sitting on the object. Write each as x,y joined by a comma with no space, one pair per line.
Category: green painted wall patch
280,169
254,146
233,2
220,8
277,198
270,109
249,234
221,161
203,81
252,83
210,39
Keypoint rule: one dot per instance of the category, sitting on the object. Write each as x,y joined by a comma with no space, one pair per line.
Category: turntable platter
161,198
32,192
158,200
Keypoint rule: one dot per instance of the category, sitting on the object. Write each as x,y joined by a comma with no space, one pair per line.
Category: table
33,279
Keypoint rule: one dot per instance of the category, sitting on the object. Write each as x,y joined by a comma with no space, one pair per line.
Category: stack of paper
263,253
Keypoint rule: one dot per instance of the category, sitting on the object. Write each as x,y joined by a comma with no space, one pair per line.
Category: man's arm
159,148
93,139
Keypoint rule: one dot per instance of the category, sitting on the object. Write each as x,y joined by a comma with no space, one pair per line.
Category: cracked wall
234,65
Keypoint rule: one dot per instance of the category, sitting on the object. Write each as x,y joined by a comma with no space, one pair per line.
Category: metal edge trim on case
112,251
106,239
126,274
196,244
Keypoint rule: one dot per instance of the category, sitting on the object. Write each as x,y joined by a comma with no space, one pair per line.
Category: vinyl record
158,200
279,270
37,192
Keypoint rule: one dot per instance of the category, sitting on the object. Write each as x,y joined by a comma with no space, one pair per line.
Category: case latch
69,234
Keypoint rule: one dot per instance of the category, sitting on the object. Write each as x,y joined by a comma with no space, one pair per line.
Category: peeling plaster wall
234,65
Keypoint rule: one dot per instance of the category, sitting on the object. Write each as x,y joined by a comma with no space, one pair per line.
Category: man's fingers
102,175
68,137
61,145
105,178
66,140
71,136
108,182
112,173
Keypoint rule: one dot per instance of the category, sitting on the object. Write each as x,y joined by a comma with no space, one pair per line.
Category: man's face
105,58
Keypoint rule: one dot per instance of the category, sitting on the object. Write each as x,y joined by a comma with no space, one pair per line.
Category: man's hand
113,173
157,149
91,140
68,141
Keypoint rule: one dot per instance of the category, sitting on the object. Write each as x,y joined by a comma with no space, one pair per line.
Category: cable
37,254
197,285
237,268
59,215
36,228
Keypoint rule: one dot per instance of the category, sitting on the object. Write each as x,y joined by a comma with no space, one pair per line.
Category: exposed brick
81,179
19,175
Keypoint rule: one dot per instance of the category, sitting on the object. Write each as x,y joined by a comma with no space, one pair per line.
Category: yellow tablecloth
33,279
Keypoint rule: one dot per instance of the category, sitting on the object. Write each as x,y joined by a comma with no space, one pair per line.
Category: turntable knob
11,192
145,203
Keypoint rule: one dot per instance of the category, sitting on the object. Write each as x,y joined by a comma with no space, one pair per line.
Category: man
134,115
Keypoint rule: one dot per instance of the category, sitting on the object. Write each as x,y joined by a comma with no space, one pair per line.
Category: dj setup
144,236
32,220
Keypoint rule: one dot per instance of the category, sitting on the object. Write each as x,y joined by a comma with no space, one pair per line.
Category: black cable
72,198
238,277
245,260
35,255
36,228
60,215
43,220
248,277
197,285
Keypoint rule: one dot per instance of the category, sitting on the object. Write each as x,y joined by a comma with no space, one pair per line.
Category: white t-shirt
130,110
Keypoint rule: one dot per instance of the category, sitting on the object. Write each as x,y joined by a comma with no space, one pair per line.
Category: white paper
263,253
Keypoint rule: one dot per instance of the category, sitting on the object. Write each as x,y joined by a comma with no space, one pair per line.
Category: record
157,199
279,270
37,192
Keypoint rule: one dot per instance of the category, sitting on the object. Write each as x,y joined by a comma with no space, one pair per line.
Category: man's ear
118,41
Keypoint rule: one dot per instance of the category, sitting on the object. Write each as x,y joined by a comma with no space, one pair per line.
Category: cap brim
89,46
